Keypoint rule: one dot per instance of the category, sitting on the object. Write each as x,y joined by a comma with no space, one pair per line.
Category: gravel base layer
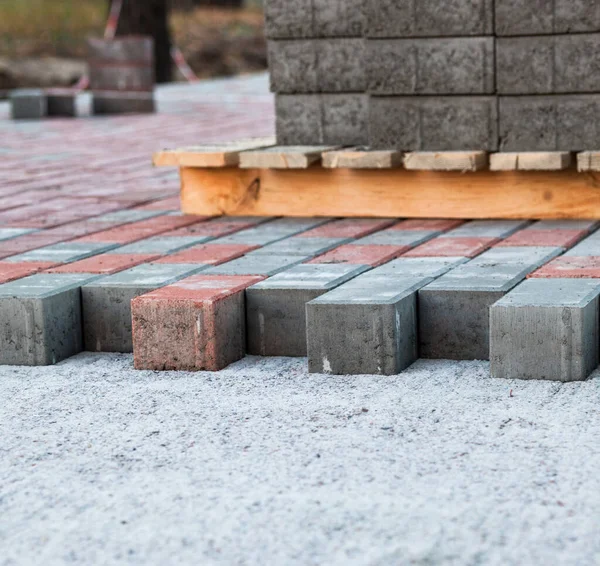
264,464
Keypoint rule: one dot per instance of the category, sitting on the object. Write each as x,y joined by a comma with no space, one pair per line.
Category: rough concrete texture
106,303
301,246
398,237
276,307
113,102
161,245
41,319
486,229
546,329
28,104
129,49
65,252
61,102
250,264
370,329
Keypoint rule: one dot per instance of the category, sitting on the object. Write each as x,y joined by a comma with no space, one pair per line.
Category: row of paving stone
354,295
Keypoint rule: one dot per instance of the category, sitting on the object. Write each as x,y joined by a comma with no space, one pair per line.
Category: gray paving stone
486,229
345,119
298,119
339,18
307,247
417,266
293,66
588,247
524,17
549,123
126,216
434,123
407,18
9,233
107,303
113,102
276,307
267,265
61,102
28,104
454,309
341,65
589,225
410,238
66,252
41,319
161,245
364,331
431,66
548,65
546,329
285,19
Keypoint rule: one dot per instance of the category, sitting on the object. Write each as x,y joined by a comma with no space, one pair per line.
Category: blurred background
42,42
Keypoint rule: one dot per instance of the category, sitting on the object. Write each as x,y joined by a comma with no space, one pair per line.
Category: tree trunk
150,17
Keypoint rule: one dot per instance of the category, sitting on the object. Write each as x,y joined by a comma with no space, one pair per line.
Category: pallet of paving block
254,178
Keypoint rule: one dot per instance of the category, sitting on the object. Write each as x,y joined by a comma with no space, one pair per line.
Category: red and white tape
113,19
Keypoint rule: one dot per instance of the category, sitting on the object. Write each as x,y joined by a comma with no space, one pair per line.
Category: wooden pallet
258,178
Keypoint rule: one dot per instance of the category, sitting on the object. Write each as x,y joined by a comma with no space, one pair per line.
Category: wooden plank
394,192
588,161
215,155
531,161
283,157
356,158
446,161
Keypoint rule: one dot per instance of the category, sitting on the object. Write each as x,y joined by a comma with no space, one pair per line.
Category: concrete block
286,20
113,102
546,329
453,247
161,245
28,104
345,119
487,229
427,18
195,324
434,123
272,231
122,49
364,331
339,18
124,77
66,252
276,307
521,17
372,255
250,264
549,123
104,264
588,247
298,119
107,303
416,267
293,66
548,65
61,102
348,228
341,65
306,247
454,309
126,216
390,237
570,267
431,66
41,319
209,254
10,233
9,271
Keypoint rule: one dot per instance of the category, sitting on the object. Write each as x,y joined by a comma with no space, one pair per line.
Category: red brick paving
16,270
531,237
452,247
213,254
570,267
427,224
348,228
105,264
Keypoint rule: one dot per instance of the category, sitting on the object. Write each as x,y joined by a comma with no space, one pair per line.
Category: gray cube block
339,18
526,17
41,319
307,247
123,49
486,229
161,245
107,303
546,329
390,237
431,66
345,119
113,102
121,77
434,123
293,66
276,307
549,123
341,65
287,20
28,104
370,330
454,309
61,102
259,264
548,65
65,252
299,119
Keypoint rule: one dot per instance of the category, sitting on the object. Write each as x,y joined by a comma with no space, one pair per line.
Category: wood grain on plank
356,158
531,161
588,161
394,192
446,161
283,157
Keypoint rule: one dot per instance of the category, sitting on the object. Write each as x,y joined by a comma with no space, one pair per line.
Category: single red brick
443,225
28,242
452,247
171,203
214,254
105,264
194,324
348,228
11,271
570,267
561,238
372,255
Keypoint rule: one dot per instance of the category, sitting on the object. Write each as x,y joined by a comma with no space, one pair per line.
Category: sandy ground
263,464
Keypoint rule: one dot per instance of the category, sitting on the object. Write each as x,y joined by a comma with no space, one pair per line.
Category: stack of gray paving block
122,75
513,75
107,303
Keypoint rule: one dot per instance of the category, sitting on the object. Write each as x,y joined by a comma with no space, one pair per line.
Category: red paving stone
361,255
212,228
452,247
213,254
560,238
11,271
105,264
443,225
347,228
28,242
570,267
